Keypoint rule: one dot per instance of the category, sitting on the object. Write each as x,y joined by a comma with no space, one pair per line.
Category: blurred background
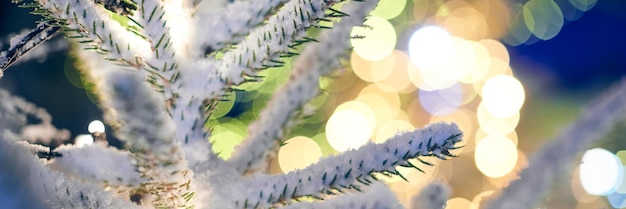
511,74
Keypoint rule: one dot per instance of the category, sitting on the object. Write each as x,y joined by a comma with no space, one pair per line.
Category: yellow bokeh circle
378,39
495,156
298,153
503,95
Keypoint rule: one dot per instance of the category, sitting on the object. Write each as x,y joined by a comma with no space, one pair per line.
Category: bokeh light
372,71
543,18
389,9
398,79
443,101
600,171
431,48
495,156
503,96
298,153
379,39
577,188
496,125
479,197
348,129
390,129
83,140
617,200
96,126
460,203
583,5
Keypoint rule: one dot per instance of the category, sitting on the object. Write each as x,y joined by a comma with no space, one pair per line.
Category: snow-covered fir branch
158,87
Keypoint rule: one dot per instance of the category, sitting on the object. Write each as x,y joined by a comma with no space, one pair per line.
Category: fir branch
556,156
149,132
353,168
122,7
432,196
236,21
270,40
91,26
27,183
24,43
376,196
317,59
98,164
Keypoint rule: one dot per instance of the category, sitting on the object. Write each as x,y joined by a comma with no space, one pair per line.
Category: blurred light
83,140
543,18
389,9
390,129
503,181
298,153
223,107
617,200
96,126
479,197
420,9
583,5
431,49
416,113
372,71
622,157
570,12
496,67
392,98
577,188
598,203
442,102
224,142
503,96
461,19
460,203
481,134
382,110
600,172
497,15
397,81
342,80
518,32
379,39
496,50
480,66
360,107
496,125
495,156
348,129
445,169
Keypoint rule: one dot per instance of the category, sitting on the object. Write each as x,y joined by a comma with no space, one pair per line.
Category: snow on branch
376,196
557,156
433,196
14,114
27,183
97,164
235,21
316,60
353,168
92,26
264,45
25,42
149,132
